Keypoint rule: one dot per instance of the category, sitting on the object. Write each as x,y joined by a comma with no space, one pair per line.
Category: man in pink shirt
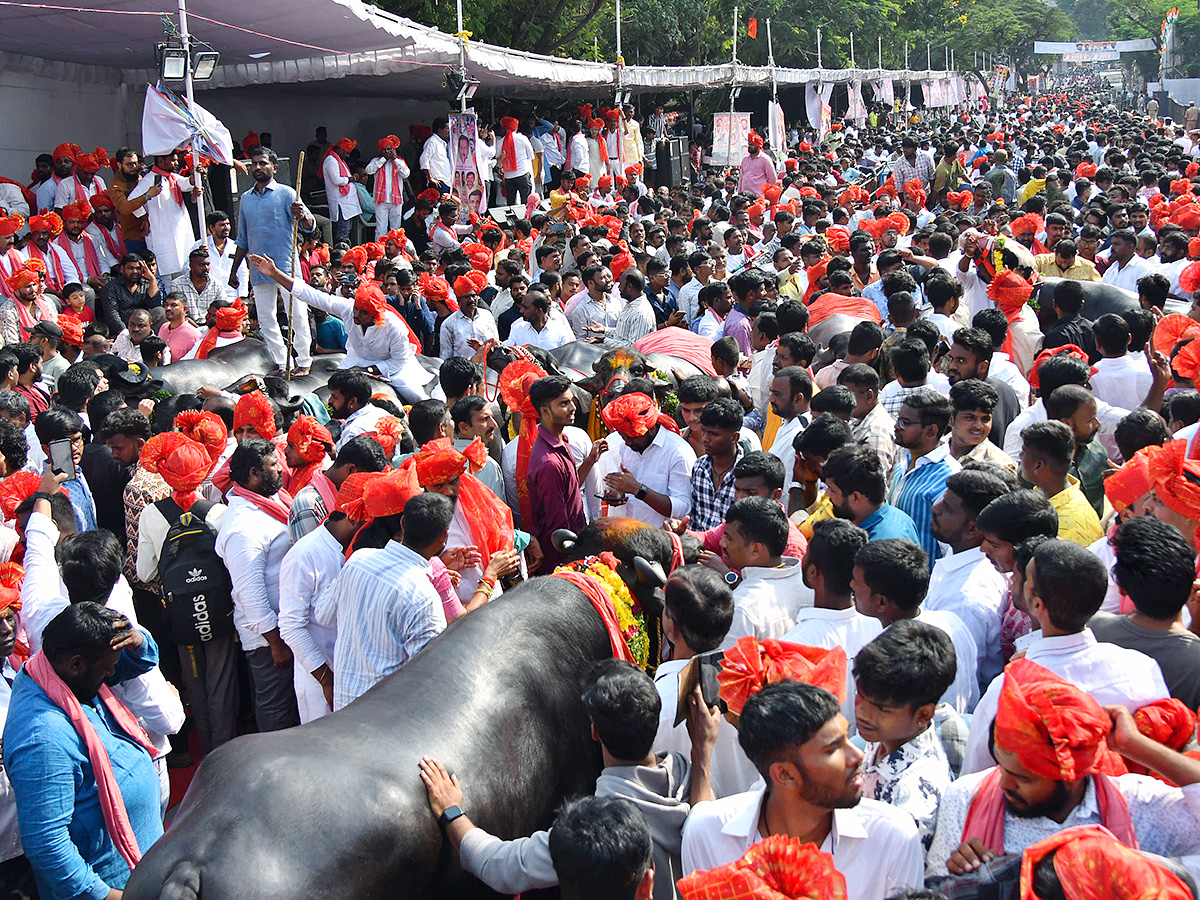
757,169
179,334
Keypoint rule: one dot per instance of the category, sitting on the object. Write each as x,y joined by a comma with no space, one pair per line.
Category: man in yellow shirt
1046,455
565,198
1065,262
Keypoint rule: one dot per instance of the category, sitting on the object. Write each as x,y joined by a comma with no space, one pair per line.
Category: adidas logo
195,575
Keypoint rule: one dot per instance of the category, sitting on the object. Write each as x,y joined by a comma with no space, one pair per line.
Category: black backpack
196,589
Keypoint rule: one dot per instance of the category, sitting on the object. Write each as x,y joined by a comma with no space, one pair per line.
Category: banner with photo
856,109
468,186
729,138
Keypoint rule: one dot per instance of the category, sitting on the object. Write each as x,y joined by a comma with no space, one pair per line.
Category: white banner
729,145
1094,46
816,102
1091,56
856,110
776,128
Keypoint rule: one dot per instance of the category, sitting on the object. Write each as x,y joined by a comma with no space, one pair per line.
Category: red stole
10,262
55,279
276,507
395,193
438,224
91,259
172,181
324,487
80,191
343,189
985,815
114,240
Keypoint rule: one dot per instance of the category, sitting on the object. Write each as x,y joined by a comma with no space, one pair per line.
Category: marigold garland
631,619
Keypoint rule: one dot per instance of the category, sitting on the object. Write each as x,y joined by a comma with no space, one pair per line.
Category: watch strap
449,814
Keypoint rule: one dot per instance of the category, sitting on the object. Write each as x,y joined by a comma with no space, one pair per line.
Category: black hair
127,422
1141,324
726,350
1071,583
792,315
764,465
940,291
1145,428
1019,515
1052,440
760,521
544,390
994,322
698,389
464,409
1068,296
457,375
1066,401
973,394
426,518
8,362
56,424
977,342
799,381
977,488
90,562
912,663
1184,407
834,399
865,337
724,412
250,454
425,419
600,848
84,629
27,354
13,446
1155,566
767,324
800,346
910,360
364,453
897,568
826,434
932,408
624,706
780,718
832,549
352,384
1060,369
1112,334
859,375
856,468
700,604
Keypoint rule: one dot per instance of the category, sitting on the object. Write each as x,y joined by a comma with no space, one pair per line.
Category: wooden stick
291,344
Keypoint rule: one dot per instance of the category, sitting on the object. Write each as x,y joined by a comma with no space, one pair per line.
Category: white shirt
345,205
253,545
709,326
79,254
946,325
386,173
597,314
435,159
1170,271
385,609
963,693
221,264
829,628
1114,676
874,845
664,467
458,329
689,301
782,448
64,194
1103,550
554,334
730,771
308,569
1123,381
1110,417
170,236
1006,370
968,585
360,422
635,322
13,202
767,601
524,154
577,154
1127,276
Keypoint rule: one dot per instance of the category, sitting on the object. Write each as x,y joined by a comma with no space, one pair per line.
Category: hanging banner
816,103
776,128
468,187
1094,46
884,91
729,143
1166,63
856,109
1094,56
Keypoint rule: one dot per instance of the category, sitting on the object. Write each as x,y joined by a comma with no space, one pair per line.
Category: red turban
620,263
206,428
838,238
515,381
853,194
805,147
1009,291
1055,730
102,200
1192,170
611,115
1187,217
471,283
46,222
1189,278
585,111
1181,186
10,225
430,195
434,288
374,250
633,415
255,410
80,209
1069,349
750,665
772,193
12,576
370,298
791,164
357,257
1085,170
481,260
754,140
386,495
387,433
15,489
347,145
251,140
310,438
352,493
22,278
1091,864
390,141
438,462
92,162
230,318
1176,479
1028,222
67,151
181,462
72,329
1156,200
604,182
888,188
777,868
1129,483
1186,361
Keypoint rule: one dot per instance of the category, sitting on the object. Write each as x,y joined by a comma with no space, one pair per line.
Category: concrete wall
1183,90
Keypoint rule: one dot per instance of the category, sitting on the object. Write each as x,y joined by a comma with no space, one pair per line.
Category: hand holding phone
62,459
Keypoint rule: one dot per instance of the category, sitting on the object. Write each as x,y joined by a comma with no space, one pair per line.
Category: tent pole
732,95
191,99
462,52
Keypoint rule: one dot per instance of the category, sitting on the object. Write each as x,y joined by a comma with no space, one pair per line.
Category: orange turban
351,495
777,868
1069,349
180,462
387,433
438,462
15,489
374,250
853,194
1192,170
357,257
750,665
1175,479
72,329
791,164
390,141
1092,864
754,140
755,210
36,266
80,209
387,494
67,151
1085,170
1028,222
255,410
12,576
471,283
22,278
809,191
10,225
310,438
46,222
838,238
598,124
430,195
1129,483
434,288
206,428
604,182
102,200
620,263
888,188
92,162
1189,278
1181,186
632,415
1186,217
230,318
1054,729
347,145
515,382
370,298
961,199
771,193
1009,291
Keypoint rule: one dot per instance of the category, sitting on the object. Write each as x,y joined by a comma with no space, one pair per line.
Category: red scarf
209,342
91,259
325,488
80,191
172,181
394,194
276,507
9,263
343,189
26,320
116,245
438,224
55,279
985,815
595,592
112,805
508,150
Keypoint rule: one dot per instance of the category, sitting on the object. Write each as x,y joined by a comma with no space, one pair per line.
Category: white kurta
308,569
64,194
346,206
170,237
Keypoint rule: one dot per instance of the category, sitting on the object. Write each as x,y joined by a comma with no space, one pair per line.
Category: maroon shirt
554,493
39,400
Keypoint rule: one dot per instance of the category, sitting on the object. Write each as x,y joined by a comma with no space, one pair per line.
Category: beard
1053,804
842,512
271,484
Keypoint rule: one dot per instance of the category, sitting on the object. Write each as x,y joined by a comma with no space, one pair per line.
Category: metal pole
928,56
732,83
618,28
735,32
852,49
771,63
881,52
819,66
291,344
462,53
947,59
191,99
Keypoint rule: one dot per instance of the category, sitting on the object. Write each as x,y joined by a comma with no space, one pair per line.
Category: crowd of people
947,548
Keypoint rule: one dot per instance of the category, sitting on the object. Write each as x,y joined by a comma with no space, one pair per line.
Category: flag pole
191,99
291,344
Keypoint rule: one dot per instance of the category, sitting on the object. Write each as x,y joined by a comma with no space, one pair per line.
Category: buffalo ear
591,384
564,540
649,574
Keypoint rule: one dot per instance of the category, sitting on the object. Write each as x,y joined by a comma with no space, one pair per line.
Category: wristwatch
641,492
449,815
43,495
733,579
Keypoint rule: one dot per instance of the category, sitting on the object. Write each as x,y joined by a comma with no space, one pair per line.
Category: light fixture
734,94
204,64
623,97
462,85
173,63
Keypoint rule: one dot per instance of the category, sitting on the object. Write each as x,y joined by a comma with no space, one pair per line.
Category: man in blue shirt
63,828
923,463
856,487
266,215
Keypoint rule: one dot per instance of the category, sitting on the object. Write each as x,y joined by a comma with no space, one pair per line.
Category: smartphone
62,459
157,178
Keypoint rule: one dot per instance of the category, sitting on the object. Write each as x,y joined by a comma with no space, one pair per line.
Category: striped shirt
385,609
915,490
636,321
